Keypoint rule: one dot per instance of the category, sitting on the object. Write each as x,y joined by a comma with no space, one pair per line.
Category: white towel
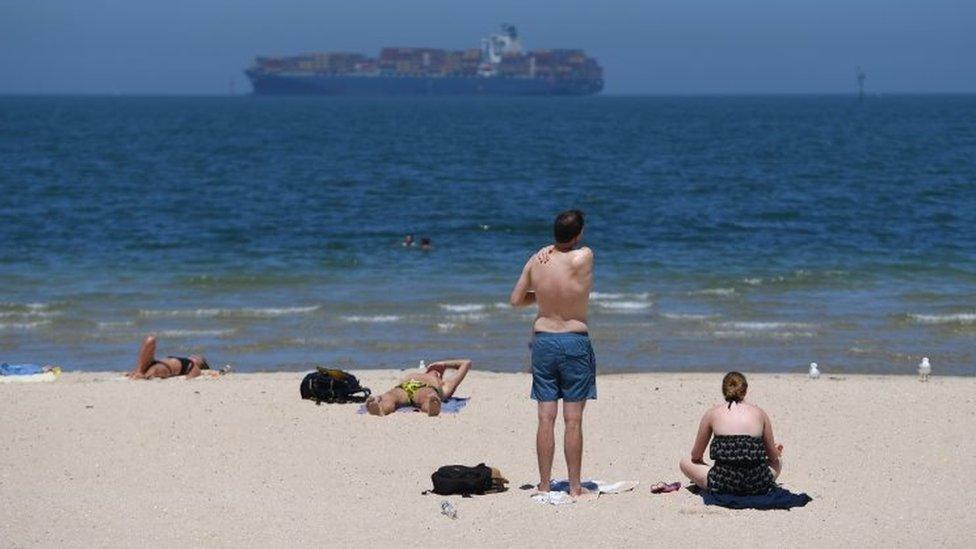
32,378
558,493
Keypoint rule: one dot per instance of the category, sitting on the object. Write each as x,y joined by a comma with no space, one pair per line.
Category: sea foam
952,318
622,306
229,313
23,325
755,326
193,333
689,316
373,319
720,292
462,307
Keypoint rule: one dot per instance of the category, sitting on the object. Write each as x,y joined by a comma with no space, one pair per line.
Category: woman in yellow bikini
423,390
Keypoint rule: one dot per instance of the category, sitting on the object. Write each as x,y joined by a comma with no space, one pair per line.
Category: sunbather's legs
696,472
545,441
428,401
388,402
159,370
573,443
147,356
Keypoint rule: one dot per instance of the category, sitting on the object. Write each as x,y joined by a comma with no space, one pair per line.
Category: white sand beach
91,461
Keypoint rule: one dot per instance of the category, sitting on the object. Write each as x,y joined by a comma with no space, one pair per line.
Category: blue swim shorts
563,367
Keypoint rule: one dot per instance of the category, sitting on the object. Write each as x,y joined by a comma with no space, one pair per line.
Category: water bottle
448,509
422,366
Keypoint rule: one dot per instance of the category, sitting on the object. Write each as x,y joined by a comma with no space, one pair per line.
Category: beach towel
558,493
20,369
50,375
452,405
778,498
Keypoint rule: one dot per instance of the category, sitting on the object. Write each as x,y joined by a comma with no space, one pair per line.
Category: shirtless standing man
559,278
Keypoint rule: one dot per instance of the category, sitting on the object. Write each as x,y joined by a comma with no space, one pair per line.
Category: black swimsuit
740,466
185,364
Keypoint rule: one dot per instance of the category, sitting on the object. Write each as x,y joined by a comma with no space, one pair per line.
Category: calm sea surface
751,233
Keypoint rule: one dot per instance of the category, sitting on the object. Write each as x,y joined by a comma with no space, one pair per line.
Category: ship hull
385,86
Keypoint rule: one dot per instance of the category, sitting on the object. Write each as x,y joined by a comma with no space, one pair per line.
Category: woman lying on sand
745,454
148,366
425,390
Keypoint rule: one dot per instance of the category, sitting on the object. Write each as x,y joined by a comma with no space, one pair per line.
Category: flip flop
664,488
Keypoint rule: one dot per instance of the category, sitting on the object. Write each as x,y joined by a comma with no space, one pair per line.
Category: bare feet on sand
433,406
583,493
373,406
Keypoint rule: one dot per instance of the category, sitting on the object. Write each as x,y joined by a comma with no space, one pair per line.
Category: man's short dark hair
568,226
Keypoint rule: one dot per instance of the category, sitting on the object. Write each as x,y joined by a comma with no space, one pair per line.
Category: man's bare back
559,282
558,279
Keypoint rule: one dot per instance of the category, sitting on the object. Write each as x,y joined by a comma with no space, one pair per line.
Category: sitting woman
425,391
148,366
745,454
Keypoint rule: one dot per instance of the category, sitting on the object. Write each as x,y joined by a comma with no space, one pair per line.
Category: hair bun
734,387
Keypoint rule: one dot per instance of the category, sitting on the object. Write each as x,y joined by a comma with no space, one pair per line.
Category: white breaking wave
953,318
621,302
371,319
748,334
446,326
193,333
31,313
724,292
611,296
23,325
766,326
623,305
463,307
230,313
469,317
602,295
688,316
28,306
115,324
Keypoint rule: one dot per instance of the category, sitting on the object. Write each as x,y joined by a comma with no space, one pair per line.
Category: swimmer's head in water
568,226
734,387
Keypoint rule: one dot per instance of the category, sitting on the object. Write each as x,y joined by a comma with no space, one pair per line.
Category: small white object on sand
814,371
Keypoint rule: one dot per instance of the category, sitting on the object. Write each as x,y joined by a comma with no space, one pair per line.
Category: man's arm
584,261
450,385
522,296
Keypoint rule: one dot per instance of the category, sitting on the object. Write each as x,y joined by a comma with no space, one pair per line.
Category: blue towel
452,405
777,498
563,485
20,369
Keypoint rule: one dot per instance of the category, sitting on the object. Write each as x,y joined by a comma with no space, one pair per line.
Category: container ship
498,67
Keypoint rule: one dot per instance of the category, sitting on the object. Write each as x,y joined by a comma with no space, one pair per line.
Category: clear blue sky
671,46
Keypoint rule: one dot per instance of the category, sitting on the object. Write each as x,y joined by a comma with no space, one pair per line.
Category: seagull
814,372
924,369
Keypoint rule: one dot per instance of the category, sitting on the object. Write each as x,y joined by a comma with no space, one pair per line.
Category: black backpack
459,479
333,386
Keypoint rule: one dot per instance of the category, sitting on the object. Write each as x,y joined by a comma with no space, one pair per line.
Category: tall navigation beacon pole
861,76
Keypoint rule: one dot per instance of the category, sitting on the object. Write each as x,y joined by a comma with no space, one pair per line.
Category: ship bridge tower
500,44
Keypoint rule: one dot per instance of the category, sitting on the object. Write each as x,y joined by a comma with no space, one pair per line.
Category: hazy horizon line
607,95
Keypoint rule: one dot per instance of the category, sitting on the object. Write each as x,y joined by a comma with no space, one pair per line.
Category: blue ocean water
751,233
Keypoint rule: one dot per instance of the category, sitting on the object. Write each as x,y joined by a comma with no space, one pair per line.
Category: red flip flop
663,488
